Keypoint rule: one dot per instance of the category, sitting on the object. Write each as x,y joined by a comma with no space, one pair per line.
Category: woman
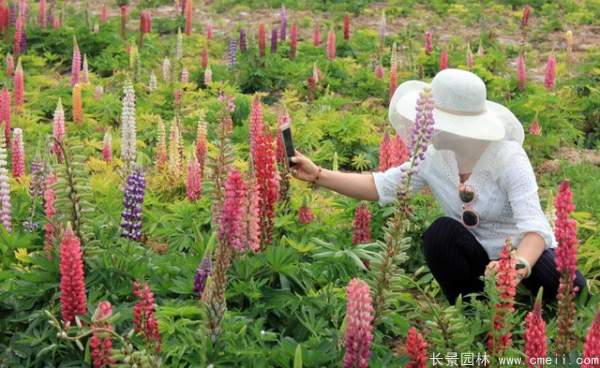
479,173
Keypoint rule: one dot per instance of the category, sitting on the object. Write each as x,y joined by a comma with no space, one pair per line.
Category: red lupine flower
145,21
385,153
204,57
18,154
194,180
293,40
231,229
73,301
525,17
346,27
591,348
359,328
535,128
104,14
267,178
521,71
107,147
19,93
143,314
428,43
101,341
4,17
257,124
305,215
361,227
262,40
535,336
188,17
209,31
5,113
331,45
379,71
550,75
252,217
77,104
75,63
49,211
416,348
443,60
10,65
316,35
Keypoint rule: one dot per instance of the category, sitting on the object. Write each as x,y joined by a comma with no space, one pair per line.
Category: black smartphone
286,136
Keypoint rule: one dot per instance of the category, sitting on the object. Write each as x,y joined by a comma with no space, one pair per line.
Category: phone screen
286,135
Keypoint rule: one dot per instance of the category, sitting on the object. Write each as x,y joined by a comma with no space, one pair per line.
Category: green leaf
298,357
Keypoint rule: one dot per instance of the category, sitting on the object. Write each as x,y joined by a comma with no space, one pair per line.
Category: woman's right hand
303,168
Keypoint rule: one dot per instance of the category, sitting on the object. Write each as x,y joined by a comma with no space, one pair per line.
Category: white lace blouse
506,193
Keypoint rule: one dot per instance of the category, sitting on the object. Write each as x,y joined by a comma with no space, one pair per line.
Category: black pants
457,260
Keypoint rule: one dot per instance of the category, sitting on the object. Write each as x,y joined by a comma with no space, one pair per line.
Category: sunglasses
469,217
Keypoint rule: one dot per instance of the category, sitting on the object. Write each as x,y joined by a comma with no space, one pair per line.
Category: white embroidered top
506,193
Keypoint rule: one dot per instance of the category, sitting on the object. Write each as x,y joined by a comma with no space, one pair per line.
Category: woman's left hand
493,267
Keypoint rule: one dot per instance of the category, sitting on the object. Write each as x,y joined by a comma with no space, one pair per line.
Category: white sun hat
461,108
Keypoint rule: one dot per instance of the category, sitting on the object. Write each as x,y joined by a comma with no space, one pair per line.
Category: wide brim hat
461,108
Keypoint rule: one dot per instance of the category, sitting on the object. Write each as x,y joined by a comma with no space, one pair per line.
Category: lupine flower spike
316,35
262,40
535,335
550,74
521,71
19,85
443,60
393,72
535,128
101,341
128,127
18,154
252,216
204,57
379,71
194,180
131,224
5,208
77,104
591,348
42,16
267,179
293,41
73,301
428,43
107,146
346,27
361,226
385,152
202,273
359,328
283,24
58,129
305,214
243,42
273,40
470,59
416,348
75,63
144,319
331,45
188,17
207,76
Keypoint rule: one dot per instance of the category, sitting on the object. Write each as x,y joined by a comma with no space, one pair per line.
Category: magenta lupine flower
42,17
194,180
379,71
5,113
145,21
565,231
316,35
73,301
107,147
188,17
521,71
19,85
10,65
359,328
75,63
293,40
283,25
591,348
416,349
273,40
5,209
231,227
101,341
58,129
331,45
104,14
209,31
243,44
361,226
267,179
305,215
18,36
202,272
428,43
144,319
550,74
535,336
18,154
443,60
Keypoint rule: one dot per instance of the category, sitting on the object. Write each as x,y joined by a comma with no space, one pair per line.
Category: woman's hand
493,267
303,168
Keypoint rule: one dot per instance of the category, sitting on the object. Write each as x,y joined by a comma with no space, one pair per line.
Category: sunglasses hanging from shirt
469,216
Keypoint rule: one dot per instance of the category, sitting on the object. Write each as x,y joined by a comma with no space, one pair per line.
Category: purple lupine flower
282,32
422,131
23,41
12,16
202,273
242,40
274,41
232,51
37,185
131,224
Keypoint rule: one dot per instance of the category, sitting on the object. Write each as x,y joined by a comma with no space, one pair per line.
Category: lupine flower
188,17
382,27
194,180
283,23
525,17
204,57
75,63
161,146
73,301
175,151
18,154
443,60
346,27
145,22
131,224
262,40
58,129
252,217
49,211
273,40
37,185
4,17
10,65
243,45
143,314
385,152
5,113
101,341
305,215
535,336
42,14
267,179
256,123
207,76
428,42
416,348
316,73
179,45
5,209
128,126
77,104
152,85
500,337
231,227
550,74
166,69
470,61
13,13
393,72
399,151
85,73
521,71
535,128
569,43
98,92
316,35
379,71
56,22
480,50
202,273
232,51
591,347
209,31
19,85
18,36
123,9
104,14
185,75
565,231
201,146
359,327
107,147
331,45
361,226
293,41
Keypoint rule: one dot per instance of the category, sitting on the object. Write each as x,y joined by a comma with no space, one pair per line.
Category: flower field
149,216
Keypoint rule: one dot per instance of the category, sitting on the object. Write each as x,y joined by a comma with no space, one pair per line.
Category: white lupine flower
128,133
5,211
153,82
208,76
166,69
179,46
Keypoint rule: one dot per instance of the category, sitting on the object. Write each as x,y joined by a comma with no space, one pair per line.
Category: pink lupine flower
428,43
194,180
361,226
305,215
525,17
521,71
416,348
201,146
535,336
123,11
535,128
207,76
144,319
359,327
331,45
104,14
399,151
443,60
267,178
10,65
591,347
204,57
231,227
5,113
550,74
385,153
252,217
75,64
98,92
346,27
256,123
101,341
18,36
293,40
145,21
316,35
42,17
19,92
18,154
188,17
262,40
5,208
379,71
107,147
209,31
73,301
58,128
185,75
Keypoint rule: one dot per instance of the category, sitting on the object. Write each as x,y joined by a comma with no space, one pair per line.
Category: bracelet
314,181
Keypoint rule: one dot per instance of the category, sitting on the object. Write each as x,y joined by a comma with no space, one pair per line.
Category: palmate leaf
356,254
